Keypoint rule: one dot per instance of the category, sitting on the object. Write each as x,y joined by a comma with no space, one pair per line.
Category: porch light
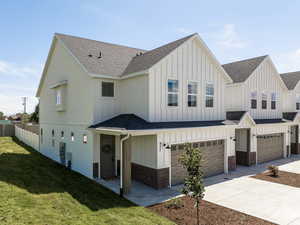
166,146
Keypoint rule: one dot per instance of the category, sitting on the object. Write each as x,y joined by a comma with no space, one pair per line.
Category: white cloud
12,69
229,38
13,104
288,61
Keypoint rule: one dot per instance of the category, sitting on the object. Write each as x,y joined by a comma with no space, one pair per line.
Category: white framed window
58,97
273,100
264,100
72,136
209,95
172,92
107,89
85,139
297,101
62,134
253,98
192,93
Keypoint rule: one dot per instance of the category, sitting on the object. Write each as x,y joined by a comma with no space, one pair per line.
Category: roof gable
148,59
291,79
240,71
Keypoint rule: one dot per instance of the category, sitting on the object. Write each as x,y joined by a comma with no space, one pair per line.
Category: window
273,101
53,133
298,102
58,97
72,136
192,94
172,92
84,139
62,134
209,97
253,100
264,99
107,89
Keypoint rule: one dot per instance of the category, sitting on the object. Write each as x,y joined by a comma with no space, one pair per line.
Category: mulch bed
287,178
210,214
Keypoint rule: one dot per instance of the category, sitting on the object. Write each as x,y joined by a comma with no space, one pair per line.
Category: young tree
35,115
191,160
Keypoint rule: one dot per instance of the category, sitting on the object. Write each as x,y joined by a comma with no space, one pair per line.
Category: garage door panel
212,155
269,147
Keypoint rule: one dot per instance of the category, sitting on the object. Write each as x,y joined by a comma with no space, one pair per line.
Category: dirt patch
287,178
210,214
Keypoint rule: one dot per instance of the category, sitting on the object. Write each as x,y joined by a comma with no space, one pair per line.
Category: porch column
126,167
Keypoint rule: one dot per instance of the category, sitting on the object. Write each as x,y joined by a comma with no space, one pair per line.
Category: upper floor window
273,100
264,99
172,92
107,89
58,97
253,100
84,139
209,95
72,136
53,134
192,94
298,102
62,134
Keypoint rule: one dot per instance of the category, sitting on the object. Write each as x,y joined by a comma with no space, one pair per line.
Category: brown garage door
213,160
269,147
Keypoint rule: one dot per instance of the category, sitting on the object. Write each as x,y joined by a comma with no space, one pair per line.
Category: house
292,105
108,110
258,89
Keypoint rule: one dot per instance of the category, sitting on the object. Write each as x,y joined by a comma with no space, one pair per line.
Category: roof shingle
291,79
239,71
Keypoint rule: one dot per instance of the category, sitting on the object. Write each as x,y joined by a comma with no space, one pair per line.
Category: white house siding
105,107
189,62
78,110
82,154
265,78
134,96
194,135
291,98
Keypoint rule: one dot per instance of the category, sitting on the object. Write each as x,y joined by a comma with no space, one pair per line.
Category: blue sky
233,30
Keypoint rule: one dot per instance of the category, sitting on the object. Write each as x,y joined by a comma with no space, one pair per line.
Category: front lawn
35,190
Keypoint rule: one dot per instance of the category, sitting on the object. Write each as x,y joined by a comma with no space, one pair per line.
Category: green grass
35,190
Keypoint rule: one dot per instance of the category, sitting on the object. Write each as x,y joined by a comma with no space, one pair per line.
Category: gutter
121,163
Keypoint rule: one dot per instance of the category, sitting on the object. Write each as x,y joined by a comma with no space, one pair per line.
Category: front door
294,140
107,156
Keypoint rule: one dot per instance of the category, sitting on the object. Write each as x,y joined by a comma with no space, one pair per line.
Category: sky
232,29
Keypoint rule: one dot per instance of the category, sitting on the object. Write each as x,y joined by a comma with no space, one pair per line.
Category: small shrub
274,171
175,204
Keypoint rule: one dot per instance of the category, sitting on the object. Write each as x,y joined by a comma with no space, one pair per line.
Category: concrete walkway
270,201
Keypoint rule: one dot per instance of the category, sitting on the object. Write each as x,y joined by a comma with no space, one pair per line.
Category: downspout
121,162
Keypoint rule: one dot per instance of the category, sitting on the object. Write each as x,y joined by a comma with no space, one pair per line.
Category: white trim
60,83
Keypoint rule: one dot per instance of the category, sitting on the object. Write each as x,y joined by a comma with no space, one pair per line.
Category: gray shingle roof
113,62
291,79
116,60
149,58
239,71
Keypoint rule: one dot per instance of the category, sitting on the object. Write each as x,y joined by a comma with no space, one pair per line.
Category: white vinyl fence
27,137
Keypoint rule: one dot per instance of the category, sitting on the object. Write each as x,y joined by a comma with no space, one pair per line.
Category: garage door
213,160
269,147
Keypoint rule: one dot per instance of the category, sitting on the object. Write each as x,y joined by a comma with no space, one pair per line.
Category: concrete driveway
270,201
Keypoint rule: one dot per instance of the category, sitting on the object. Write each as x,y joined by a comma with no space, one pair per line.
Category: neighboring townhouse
259,90
291,104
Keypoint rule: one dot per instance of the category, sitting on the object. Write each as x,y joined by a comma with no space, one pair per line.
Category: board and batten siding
290,99
264,79
189,62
